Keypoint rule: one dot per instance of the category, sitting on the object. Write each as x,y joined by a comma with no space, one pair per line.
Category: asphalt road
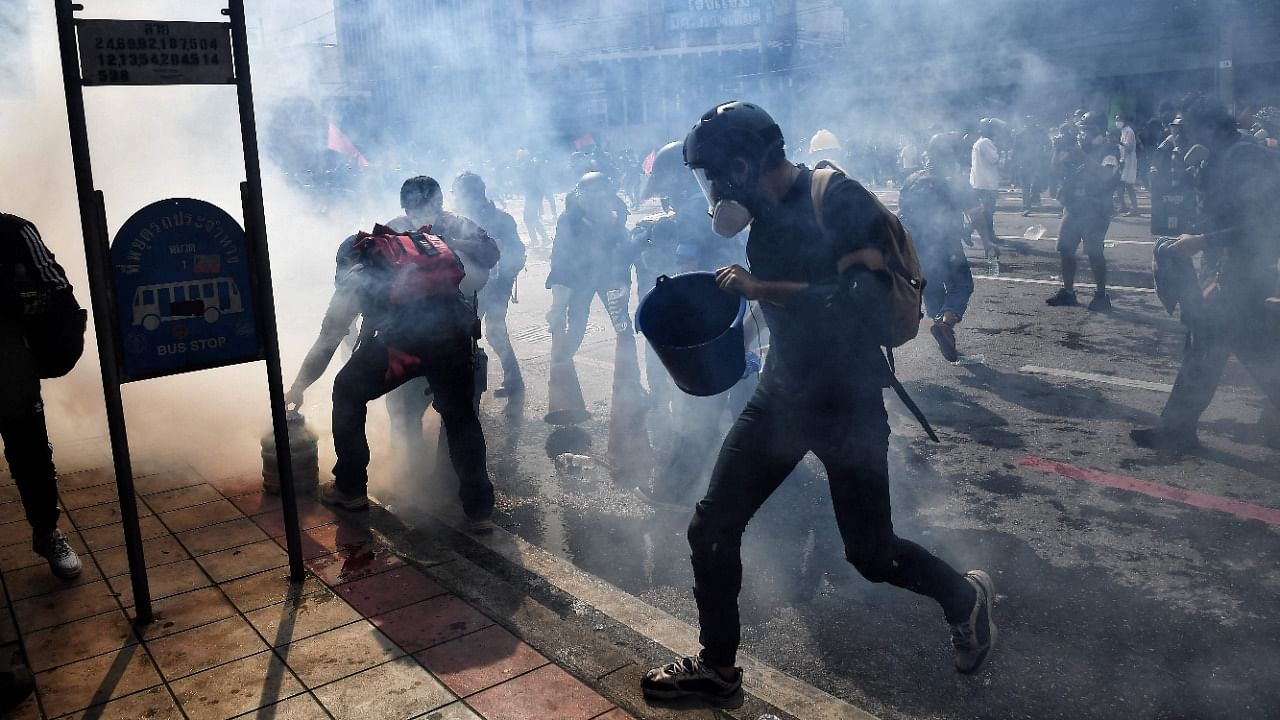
1114,601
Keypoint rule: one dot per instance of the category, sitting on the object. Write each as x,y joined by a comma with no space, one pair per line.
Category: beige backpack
906,295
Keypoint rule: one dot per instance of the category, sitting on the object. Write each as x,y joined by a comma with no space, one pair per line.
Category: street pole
256,231
93,224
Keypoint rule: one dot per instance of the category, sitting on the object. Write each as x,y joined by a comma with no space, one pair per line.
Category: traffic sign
154,52
183,290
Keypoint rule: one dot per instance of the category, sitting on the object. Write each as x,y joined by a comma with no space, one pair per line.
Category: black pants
30,458
1210,342
494,300
376,369
770,437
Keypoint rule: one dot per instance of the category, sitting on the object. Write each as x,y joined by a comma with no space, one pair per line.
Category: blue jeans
948,282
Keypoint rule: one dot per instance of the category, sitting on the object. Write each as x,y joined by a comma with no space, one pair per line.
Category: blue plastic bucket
696,330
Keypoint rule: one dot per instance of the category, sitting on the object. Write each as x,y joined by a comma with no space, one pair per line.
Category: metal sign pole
93,223
256,227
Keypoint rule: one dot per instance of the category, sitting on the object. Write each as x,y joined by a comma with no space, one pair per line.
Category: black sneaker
1100,302
690,678
1063,298
509,388
974,637
332,495
945,335
54,547
1164,440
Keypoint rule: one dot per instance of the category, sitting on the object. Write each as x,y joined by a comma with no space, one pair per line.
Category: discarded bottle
993,265
302,451
574,464
1034,232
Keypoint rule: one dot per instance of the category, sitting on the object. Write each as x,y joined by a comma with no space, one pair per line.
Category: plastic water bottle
993,265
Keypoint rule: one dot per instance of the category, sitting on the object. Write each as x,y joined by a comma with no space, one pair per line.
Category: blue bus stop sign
183,290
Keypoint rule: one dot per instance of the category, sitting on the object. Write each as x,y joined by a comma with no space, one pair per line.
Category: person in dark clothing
681,242
31,283
821,392
933,205
1031,151
533,185
1092,176
498,292
433,338
1238,186
589,259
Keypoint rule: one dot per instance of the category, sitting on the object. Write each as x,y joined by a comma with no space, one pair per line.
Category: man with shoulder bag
820,391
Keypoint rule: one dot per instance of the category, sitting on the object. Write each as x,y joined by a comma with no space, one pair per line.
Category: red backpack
420,265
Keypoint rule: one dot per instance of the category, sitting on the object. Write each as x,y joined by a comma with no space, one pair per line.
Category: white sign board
154,52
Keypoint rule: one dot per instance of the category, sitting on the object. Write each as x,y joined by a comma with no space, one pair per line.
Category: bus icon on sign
165,302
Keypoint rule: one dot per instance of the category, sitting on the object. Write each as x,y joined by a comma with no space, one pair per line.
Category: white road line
1094,377
1108,242
1008,278
793,696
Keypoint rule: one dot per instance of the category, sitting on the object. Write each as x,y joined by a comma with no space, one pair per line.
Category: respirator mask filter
728,217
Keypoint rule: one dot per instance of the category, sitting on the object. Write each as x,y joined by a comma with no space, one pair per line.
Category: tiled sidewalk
365,636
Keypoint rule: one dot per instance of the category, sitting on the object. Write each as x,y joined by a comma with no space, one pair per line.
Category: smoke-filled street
659,360
1122,592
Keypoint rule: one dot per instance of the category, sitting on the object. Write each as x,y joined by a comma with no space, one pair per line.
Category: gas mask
728,216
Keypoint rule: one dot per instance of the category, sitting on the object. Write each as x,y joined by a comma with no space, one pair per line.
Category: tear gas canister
302,450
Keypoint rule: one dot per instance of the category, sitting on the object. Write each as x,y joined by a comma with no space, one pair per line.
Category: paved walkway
365,636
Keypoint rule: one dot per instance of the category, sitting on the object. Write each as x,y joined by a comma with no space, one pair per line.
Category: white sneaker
62,559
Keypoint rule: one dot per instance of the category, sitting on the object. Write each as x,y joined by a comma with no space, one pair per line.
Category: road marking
1130,242
793,696
1094,377
1120,288
1267,515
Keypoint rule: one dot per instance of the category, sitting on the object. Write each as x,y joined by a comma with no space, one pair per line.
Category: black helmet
419,191
469,185
728,130
594,183
667,173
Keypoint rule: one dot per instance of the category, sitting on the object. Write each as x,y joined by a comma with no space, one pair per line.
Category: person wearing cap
821,391
1092,175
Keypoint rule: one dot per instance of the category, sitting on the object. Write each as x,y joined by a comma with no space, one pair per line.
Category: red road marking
1156,490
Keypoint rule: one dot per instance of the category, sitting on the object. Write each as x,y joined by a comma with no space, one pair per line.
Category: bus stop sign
183,290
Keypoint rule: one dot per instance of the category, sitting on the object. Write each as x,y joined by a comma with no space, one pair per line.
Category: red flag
648,162
339,143
583,141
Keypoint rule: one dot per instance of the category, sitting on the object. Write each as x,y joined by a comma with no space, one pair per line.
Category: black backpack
53,322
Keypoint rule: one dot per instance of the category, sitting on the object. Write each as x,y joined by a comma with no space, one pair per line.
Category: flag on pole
583,141
339,143
648,162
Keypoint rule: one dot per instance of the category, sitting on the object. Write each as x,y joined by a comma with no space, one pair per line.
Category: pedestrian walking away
821,392
41,336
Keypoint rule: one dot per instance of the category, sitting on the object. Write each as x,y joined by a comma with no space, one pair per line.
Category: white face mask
729,217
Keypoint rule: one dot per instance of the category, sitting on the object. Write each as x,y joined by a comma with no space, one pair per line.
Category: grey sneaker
331,495
974,637
62,559
690,678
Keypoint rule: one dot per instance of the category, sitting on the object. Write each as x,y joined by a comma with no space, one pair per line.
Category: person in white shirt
984,175
1128,166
